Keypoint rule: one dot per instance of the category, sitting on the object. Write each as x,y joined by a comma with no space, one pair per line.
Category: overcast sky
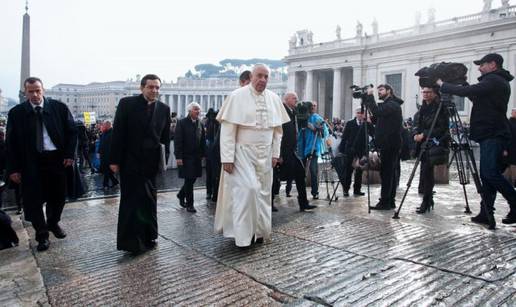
81,41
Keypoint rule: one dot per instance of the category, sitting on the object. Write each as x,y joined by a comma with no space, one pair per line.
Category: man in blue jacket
490,128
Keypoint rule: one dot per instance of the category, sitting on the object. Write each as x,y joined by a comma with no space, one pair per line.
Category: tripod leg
334,193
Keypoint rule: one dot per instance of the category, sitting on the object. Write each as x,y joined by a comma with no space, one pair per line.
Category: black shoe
274,209
346,193
381,206
509,219
316,196
482,218
259,241
19,211
57,231
191,209
181,201
358,193
43,245
288,195
307,208
151,244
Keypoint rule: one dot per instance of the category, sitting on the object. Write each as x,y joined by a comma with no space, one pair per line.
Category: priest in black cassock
141,127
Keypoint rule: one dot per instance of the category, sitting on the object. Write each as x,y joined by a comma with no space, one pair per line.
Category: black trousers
348,169
390,160
109,176
298,174
187,191
52,182
426,180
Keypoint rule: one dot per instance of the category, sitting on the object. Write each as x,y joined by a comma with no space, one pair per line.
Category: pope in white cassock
250,138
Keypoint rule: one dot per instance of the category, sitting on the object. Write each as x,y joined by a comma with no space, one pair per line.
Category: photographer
315,132
388,119
353,145
490,128
439,135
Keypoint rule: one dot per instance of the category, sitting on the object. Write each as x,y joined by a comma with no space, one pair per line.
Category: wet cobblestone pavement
335,255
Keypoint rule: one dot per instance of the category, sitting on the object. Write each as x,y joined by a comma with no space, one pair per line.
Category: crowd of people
248,147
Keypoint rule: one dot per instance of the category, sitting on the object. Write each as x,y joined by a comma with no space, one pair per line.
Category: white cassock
250,137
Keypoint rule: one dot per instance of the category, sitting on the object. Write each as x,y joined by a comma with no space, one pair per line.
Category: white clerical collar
37,105
254,91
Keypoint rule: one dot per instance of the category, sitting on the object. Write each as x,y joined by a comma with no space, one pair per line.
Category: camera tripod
462,154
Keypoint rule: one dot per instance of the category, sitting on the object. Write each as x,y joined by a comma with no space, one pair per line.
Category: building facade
103,98
325,71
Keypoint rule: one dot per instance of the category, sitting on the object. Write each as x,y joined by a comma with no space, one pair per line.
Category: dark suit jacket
353,141
288,151
22,156
189,148
104,150
136,141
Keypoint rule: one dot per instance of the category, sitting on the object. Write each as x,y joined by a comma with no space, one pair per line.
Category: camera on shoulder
447,71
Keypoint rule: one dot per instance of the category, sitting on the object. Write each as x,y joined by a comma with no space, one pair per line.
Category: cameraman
439,135
490,128
316,131
389,123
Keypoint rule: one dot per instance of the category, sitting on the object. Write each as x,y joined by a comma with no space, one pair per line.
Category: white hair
288,94
192,105
255,67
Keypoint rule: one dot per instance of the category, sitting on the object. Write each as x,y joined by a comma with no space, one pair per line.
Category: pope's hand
228,167
274,162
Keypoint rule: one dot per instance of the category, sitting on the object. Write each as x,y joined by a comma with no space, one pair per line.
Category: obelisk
25,58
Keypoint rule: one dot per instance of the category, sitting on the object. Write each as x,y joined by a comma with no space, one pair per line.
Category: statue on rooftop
337,31
360,28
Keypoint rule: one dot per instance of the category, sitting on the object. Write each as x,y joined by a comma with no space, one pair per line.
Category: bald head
259,77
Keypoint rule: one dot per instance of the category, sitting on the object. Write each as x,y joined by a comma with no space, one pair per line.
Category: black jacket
21,135
490,98
353,141
512,147
289,139
388,121
190,146
136,143
105,149
423,123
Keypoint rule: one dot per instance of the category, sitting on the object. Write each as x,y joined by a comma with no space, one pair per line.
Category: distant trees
229,68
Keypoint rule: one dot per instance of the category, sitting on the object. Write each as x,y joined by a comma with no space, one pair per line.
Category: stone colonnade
178,102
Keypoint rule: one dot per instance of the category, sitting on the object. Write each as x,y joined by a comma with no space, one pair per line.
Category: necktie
39,130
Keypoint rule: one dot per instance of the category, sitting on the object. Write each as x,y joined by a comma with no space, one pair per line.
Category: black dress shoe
381,206
481,218
358,193
316,196
274,209
57,231
150,244
288,195
346,193
191,209
181,201
307,208
509,219
43,245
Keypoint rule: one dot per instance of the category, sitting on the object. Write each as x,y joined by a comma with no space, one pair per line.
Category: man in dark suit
353,145
141,127
41,140
189,149
291,166
104,152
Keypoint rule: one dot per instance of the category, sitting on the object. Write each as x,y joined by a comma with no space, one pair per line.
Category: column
291,81
309,85
337,92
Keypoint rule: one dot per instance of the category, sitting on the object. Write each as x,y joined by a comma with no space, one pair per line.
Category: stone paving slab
336,255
